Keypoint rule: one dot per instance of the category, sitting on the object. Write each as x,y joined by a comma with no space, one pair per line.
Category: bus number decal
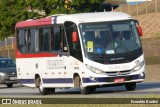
53,64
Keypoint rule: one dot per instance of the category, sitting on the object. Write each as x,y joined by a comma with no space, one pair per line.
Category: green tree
87,5
78,6
13,11
65,6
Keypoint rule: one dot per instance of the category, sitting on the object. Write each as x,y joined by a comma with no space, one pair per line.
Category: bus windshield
110,38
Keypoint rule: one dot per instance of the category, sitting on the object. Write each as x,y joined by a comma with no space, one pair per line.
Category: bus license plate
119,80
13,78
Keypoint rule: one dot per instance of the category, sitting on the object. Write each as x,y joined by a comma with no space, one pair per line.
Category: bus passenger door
74,61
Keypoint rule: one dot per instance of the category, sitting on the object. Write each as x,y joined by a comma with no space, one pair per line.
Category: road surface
142,89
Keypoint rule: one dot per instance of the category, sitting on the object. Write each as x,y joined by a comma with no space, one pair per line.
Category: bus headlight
95,70
138,66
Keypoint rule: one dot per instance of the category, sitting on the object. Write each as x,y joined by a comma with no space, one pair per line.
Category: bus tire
87,90
9,85
130,86
51,90
42,90
92,89
83,90
78,83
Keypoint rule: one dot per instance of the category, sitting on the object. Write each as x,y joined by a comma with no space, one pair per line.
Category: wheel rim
80,84
40,87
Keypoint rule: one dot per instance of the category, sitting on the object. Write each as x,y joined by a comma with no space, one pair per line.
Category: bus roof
76,18
95,17
33,23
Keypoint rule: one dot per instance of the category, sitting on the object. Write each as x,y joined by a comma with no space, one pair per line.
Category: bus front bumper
118,80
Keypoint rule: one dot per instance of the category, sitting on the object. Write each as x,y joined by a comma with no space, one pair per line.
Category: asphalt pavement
142,89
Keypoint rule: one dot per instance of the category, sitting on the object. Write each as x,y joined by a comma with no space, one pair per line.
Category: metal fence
7,47
140,8
10,53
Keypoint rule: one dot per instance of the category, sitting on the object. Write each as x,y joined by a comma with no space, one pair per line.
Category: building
115,1
136,1
109,5
113,4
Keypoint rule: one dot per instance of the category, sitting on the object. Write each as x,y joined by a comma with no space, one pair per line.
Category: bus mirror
74,36
139,28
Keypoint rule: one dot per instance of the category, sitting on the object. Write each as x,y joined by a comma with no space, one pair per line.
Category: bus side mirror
139,28
74,36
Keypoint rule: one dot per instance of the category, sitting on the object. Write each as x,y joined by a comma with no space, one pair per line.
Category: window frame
37,31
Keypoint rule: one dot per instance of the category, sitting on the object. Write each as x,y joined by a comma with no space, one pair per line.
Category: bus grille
118,73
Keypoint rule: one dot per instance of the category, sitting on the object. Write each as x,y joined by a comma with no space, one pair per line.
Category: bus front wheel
130,86
83,90
87,90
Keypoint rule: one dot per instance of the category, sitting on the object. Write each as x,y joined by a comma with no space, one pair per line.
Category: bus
84,50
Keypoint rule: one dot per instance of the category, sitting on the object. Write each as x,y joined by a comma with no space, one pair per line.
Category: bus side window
17,37
44,39
36,40
31,40
41,39
25,47
21,40
57,40
46,36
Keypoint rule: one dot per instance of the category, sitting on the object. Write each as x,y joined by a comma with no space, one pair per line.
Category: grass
87,105
144,97
157,34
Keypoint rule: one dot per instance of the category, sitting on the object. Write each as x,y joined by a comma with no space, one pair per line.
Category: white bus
85,50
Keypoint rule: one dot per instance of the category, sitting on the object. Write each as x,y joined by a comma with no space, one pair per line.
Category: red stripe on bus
35,55
34,23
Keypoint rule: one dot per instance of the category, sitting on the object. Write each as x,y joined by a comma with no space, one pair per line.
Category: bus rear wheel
9,85
44,91
130,86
